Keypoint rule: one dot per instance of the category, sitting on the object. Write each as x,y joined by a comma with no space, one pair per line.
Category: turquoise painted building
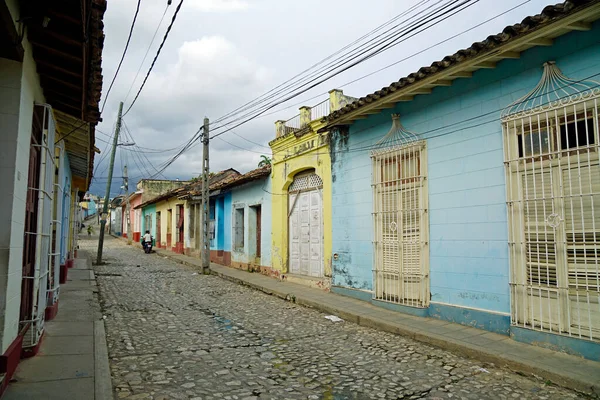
220,223
149,219
479,201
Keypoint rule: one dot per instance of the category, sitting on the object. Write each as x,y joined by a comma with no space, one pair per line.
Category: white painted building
50,85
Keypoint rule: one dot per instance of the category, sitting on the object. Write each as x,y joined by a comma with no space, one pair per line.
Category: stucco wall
467,212
222,239
246,196
149,210
291,156
19,90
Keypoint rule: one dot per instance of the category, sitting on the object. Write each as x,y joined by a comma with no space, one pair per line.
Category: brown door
31,208
258,230
180,224
158,241
169,227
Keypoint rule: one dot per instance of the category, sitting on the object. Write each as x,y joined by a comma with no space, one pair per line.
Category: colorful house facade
301,195
171,214
469,191
248,229
134,217
48,114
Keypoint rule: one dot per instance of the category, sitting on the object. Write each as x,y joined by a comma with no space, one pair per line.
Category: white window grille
306,182
551,138
401,264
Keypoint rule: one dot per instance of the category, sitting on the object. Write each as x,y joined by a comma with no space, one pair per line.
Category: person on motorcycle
147,239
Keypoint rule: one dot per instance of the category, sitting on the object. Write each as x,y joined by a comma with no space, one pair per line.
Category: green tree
264,160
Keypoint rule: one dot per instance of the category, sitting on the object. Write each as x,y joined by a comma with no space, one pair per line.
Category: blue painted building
220,224
149,219
251,220
461,207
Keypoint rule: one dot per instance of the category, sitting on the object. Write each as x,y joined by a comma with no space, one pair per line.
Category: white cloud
219,5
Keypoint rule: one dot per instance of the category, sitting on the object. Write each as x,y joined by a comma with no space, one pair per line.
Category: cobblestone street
175,334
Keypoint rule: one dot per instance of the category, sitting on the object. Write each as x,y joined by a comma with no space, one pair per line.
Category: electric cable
352,54
156,56
447,14
147,51
241,108
137,10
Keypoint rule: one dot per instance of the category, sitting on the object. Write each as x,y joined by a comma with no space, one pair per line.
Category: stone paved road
174,334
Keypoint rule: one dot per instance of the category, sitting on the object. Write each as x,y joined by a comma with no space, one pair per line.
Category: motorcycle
148,246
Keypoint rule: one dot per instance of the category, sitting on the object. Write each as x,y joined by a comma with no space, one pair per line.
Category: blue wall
469,265
149,210
222,239
250,195
66,210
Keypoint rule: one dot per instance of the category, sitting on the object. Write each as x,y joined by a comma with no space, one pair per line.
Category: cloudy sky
221,54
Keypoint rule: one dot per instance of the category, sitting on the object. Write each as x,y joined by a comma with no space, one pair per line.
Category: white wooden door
306,230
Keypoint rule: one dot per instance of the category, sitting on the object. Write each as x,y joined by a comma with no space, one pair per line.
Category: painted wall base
497,323
250,267
10,359
323,283
64,271
221,257
564,344
51,311
27,352
488,321
492,322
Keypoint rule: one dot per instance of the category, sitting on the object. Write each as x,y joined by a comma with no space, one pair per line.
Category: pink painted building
135,216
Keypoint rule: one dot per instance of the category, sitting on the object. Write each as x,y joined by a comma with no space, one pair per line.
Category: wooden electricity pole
107,195
128,206
205,201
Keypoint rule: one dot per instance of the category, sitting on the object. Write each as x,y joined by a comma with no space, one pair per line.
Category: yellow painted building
301,195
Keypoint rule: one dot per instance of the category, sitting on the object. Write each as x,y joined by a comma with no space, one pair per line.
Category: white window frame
239,232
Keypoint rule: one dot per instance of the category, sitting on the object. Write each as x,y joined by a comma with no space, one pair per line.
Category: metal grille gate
401,268
553,197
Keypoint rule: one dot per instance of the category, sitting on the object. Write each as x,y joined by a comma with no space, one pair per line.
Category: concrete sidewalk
562,369
73,359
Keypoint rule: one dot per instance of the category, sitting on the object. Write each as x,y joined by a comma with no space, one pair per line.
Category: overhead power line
375,45
147,50
257,100
156,56
423,24
459,124
432,18
401,60
137,10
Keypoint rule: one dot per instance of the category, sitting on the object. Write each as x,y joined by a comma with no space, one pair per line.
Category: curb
102,379
457,347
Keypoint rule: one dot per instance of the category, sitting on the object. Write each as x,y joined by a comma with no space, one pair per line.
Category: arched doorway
305,224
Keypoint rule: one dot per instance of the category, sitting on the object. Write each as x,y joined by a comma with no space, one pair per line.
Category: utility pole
128,207
205,201
110,174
